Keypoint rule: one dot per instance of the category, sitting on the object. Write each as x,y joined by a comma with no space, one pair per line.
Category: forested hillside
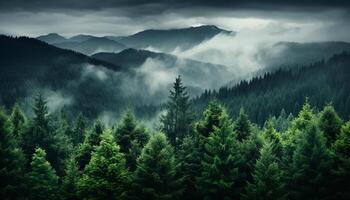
322,82
214,157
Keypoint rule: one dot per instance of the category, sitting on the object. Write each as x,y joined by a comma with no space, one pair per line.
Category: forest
213,156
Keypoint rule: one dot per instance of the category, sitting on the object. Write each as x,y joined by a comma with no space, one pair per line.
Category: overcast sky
321,20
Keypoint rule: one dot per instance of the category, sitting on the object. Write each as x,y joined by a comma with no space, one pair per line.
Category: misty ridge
103,76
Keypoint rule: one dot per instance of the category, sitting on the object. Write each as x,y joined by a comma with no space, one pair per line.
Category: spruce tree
189,160
177,120
106,176
341,153
310,164
70,180
330,123
272,136
221,163
130,137
155,175
43,181
79,129
242,126
267,181
11,162
84,151
18,121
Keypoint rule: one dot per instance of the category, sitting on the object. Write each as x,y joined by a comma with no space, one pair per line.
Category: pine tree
11,162
18,121
43,181
106,176
267,182
70,180
242,126
129,134
310,164
155,175
271,135
177,120
221,163
330,123
84,151
79,130
190,166
341,152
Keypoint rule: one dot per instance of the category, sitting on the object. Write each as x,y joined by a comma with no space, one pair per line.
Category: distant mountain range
162,40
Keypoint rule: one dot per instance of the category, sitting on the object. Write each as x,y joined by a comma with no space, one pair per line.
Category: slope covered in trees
322,82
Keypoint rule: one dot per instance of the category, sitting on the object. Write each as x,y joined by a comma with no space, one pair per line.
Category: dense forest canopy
214,157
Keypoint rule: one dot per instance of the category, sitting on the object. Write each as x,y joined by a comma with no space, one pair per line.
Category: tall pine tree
177,120
267,181
221,163
106,176
11,162
155,175
330,123
43,181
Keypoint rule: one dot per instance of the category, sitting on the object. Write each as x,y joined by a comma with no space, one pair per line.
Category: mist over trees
213,157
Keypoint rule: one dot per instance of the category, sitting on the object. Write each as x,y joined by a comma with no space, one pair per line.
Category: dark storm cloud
146,6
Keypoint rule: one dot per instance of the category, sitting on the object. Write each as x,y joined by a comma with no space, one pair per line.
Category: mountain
169,40
81,38
264,96
92,45
293,53
52,38
197,74
79,83
71,79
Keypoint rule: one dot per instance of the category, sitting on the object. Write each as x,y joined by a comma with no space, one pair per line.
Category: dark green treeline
216,157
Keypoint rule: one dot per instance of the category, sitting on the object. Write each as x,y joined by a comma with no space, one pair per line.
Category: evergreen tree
310,164
221,163
190,166
341,152
330,123
272,136
155,175
267,182
43,181
18,121
11,162
212,116
84,151
70,180
177,120
105,177
129,134
242,126
79,129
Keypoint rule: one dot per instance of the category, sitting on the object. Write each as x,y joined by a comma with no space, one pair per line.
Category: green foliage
271,135
131,137
11,162
267,181
85,149
341,153
70,180
221,163
177,120
330,123
106,176
79,129
242,126
155,175
18,121
310,164
43,181
190,157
